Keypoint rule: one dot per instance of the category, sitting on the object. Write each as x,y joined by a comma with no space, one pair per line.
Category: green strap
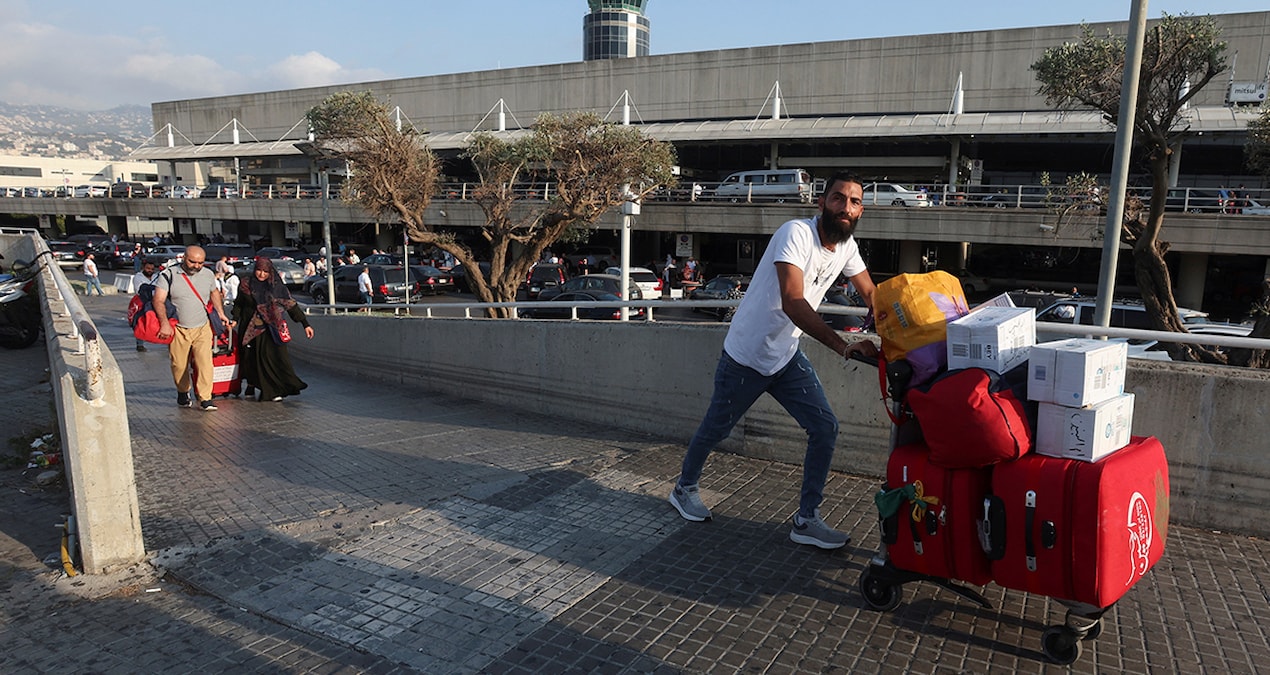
889,502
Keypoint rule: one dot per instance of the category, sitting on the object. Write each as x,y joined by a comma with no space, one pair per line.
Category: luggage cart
882,581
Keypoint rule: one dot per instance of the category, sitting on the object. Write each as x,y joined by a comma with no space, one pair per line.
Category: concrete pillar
278,233
117,225
774,157
1175,163
385,240
1191,275
954,160
911,257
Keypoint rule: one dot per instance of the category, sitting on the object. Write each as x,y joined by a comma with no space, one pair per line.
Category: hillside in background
49,131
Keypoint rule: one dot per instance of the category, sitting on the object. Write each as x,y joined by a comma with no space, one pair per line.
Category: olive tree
552,182
1181,55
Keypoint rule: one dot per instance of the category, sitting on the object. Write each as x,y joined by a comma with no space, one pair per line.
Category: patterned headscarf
272,300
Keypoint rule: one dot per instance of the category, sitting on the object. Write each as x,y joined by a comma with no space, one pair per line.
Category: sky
96,56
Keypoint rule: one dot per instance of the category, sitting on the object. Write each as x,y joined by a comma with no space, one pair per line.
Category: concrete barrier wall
656,379
94,433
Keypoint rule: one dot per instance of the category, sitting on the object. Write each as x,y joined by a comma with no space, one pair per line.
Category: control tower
615,29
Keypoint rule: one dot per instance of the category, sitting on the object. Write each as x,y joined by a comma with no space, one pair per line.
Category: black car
722,287
234,254
128,190
603,283
565,311
388,284
459,275
114,255
68,254
430,280
544,276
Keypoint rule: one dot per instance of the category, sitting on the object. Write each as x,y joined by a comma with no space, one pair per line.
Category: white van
777,185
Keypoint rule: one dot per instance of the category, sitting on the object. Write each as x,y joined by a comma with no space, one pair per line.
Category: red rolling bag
1080,531
226,380
937,532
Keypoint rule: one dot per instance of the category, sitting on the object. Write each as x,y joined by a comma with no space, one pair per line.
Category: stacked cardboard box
1079,383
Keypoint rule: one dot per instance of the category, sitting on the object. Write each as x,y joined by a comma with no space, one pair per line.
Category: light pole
323,159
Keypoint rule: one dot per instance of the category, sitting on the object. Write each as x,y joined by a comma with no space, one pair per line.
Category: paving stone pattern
364,527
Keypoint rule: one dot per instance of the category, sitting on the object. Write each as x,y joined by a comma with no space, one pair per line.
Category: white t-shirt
761,335
90,267
140,279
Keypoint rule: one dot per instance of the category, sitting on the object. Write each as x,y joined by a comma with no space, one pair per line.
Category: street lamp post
323,158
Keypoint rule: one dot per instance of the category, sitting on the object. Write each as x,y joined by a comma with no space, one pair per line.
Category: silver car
894,194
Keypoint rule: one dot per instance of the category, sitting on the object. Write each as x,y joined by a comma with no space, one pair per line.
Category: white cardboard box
993,338
1087,434
1076,372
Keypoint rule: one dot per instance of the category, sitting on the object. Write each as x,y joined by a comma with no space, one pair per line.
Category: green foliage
1176,51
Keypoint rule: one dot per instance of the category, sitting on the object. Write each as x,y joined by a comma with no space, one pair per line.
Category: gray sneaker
814,532
688,502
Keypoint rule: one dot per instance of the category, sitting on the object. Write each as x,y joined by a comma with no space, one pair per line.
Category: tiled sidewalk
366,527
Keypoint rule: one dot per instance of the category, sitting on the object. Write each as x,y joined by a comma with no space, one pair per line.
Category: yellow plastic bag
911,312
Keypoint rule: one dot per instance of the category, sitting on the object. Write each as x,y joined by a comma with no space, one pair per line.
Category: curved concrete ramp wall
657,378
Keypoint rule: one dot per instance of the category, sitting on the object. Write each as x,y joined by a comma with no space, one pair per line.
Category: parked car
459,275
430,281
219,191
1255,208
1191,200
1027,197
291,273
1124,313
68,254
180,192
606,283
114,255
382,259
894,194
590,313
163,256
86,191
1154,350
388,284
286,252
128,190
234,254
778,185
722,287
647,280
543,276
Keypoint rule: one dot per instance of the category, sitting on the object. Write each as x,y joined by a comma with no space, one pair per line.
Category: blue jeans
797,388
90,284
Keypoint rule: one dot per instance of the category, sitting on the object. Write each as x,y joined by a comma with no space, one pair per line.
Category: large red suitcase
937,534
1081,531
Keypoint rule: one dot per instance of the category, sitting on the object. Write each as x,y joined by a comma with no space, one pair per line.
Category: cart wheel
1061,645
1094,631
879,594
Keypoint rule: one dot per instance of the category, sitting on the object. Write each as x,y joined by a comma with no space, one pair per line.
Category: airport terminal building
957,109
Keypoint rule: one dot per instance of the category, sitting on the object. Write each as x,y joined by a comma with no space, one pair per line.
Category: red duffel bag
971,418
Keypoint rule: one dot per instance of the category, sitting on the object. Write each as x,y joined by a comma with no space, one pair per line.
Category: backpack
143,319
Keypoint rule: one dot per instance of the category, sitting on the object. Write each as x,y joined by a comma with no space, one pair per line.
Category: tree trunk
1152,274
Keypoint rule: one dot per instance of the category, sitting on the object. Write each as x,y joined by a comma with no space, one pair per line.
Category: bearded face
841,206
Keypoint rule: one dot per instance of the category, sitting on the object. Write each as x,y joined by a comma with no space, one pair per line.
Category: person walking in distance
146,276
365,288
90,276
190,286
761,352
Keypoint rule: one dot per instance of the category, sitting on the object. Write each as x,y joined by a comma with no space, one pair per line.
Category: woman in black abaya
261,310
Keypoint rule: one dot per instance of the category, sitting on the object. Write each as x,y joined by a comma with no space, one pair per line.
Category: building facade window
615,30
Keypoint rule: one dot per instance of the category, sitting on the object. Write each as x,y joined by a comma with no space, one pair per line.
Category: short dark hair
843,177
